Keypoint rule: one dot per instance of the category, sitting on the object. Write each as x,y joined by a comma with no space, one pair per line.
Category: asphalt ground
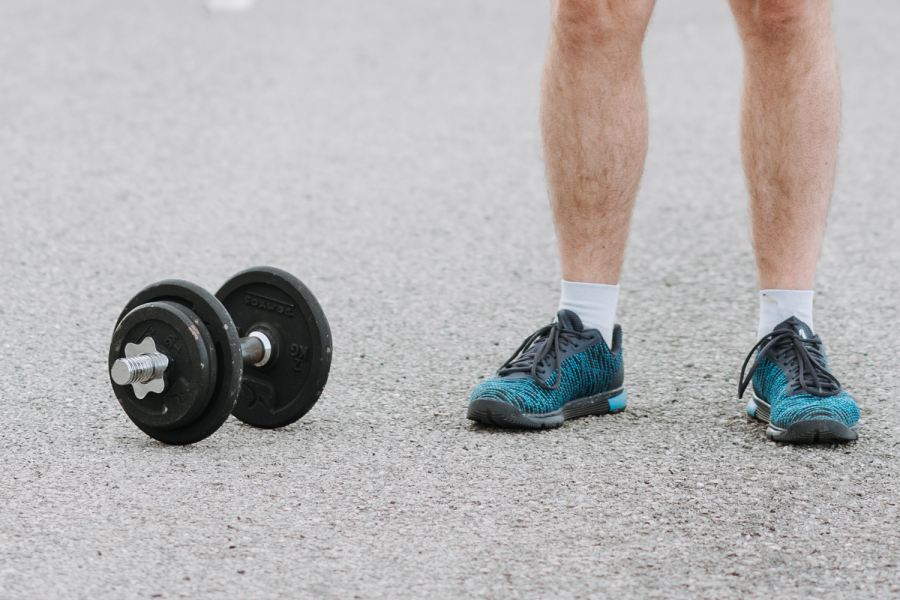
388,154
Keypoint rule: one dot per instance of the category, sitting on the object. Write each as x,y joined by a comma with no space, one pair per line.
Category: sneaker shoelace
529,356
805,362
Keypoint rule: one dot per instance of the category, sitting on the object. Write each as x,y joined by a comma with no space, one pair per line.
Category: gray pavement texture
388,154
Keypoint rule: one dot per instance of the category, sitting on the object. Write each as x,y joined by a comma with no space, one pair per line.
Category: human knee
586,24
780,20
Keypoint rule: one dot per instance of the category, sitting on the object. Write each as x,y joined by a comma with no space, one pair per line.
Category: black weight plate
189,377
226,347
276,303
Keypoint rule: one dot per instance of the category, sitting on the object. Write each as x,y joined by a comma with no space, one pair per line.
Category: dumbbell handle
256,350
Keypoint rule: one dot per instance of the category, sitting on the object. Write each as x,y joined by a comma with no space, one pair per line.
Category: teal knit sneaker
794,391
560,372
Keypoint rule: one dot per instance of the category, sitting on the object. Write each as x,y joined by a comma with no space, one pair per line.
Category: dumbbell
181,360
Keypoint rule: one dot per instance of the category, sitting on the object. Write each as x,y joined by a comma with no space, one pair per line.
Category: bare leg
790,126
594,123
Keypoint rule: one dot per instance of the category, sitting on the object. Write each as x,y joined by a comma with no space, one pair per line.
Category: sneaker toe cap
805,407
521,393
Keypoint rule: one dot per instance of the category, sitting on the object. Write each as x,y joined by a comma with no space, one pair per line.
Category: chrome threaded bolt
139,369
142,368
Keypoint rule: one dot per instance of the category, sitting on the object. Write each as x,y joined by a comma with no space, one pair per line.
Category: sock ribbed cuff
777,305
594,303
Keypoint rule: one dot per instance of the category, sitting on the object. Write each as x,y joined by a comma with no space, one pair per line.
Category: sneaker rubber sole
813,431
500,414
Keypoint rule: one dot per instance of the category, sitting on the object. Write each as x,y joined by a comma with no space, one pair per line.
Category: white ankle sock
777,305
594,303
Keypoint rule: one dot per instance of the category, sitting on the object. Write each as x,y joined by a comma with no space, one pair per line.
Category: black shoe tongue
569,320
796,325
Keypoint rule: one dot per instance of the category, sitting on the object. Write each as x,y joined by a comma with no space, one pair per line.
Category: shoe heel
617,403
758,408
751,407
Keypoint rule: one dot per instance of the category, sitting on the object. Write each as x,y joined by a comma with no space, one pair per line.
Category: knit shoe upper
532,380
792,376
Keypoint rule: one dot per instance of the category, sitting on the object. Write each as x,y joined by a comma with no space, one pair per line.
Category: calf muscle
790,128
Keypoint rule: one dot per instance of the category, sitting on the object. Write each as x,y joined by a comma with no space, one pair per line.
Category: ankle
594,303
777,305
